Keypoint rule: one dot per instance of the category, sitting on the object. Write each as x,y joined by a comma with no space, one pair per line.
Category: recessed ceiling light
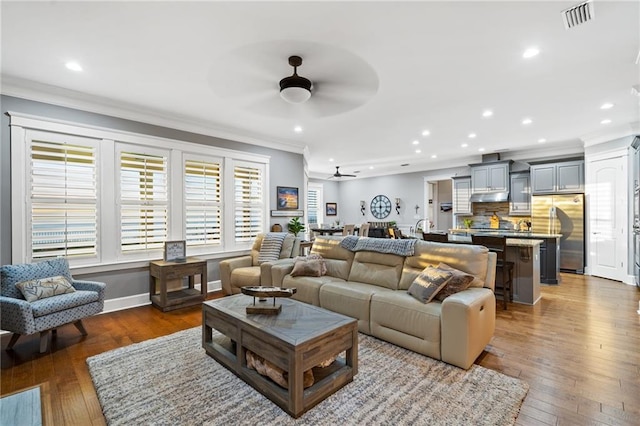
527,121
605,121
370,167
606,105
464,145
73,66
331,160
297,129
542,140
530,52
481,149
416,142
472,135
426,133
434,156
487,113
418,151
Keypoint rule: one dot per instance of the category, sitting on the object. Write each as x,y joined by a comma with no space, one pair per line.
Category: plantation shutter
143,201
248,202
202,199
312,205
64,214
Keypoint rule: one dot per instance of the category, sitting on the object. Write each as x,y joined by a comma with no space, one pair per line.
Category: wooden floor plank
577,348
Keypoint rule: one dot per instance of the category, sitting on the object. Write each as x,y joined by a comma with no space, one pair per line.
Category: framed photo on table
175,251
331,209
287,198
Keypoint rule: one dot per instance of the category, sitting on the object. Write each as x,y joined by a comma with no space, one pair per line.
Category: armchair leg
14,339
80,327
44,339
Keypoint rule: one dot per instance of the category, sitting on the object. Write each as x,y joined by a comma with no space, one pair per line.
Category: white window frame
319,188
108,139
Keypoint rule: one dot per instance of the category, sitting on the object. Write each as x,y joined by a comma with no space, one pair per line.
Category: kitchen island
525,255
549,248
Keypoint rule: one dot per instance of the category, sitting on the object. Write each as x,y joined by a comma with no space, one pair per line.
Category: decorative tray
268,291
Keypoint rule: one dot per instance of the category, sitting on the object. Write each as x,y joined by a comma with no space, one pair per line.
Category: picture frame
287,198
331,209
175,251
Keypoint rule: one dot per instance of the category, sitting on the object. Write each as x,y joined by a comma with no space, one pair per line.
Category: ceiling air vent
578,14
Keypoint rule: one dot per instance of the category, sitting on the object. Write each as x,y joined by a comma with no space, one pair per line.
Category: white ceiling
383,72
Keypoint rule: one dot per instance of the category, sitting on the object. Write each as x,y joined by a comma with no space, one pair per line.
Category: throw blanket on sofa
380,245
271,246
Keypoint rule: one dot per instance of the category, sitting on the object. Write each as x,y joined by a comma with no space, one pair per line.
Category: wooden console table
160,272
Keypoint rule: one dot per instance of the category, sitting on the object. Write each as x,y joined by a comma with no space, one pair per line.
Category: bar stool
504,269
439,238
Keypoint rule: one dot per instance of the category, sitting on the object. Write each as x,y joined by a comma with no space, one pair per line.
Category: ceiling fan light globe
295,95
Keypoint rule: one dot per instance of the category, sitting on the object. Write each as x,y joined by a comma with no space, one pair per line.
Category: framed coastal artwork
287,198
331,209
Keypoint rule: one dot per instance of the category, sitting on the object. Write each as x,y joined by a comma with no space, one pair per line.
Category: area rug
172,381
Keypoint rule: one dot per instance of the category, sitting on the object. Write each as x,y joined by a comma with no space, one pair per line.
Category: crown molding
54,95
622,131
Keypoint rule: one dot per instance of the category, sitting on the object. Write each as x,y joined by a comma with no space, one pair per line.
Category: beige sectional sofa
372,287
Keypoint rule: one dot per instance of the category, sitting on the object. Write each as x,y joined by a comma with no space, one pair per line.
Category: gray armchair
243,271
22,317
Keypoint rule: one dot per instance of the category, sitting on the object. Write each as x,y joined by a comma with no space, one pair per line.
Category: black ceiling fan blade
339,175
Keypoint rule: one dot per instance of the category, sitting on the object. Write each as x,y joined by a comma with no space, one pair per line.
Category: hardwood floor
578,348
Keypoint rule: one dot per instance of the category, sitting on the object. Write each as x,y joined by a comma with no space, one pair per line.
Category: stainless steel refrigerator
562,214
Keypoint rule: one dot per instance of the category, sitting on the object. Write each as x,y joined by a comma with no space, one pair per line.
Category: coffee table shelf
299,338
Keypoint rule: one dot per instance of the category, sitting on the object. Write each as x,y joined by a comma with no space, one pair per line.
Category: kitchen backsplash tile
482,213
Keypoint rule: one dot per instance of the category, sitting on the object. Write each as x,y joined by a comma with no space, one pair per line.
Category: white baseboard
142,299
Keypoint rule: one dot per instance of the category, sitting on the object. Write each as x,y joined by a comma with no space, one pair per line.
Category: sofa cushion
337,259
63,302
379,269
430,281
468,258
286,251
351,299
400,319
41,288
246,276
459,281
308,288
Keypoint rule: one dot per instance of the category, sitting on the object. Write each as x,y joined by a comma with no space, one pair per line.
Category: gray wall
409,187
286,169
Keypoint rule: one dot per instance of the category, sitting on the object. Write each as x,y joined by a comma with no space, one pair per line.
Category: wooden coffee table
300,337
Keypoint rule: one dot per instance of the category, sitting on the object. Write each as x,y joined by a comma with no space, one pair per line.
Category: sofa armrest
266,277
96,286
467,322
17,316
280,270
227,266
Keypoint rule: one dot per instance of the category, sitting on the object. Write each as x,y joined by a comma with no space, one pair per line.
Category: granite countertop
511,242
505,232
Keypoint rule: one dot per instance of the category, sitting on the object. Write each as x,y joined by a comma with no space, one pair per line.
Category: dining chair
348,229
435,236
504,269
364,230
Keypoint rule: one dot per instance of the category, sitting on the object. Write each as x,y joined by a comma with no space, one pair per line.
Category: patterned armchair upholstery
238,272
22,317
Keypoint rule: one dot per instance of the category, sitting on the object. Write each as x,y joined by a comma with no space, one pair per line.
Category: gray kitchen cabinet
520,195
490,177
461,194
553,178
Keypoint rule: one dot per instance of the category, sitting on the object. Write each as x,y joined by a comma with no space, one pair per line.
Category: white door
607,208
